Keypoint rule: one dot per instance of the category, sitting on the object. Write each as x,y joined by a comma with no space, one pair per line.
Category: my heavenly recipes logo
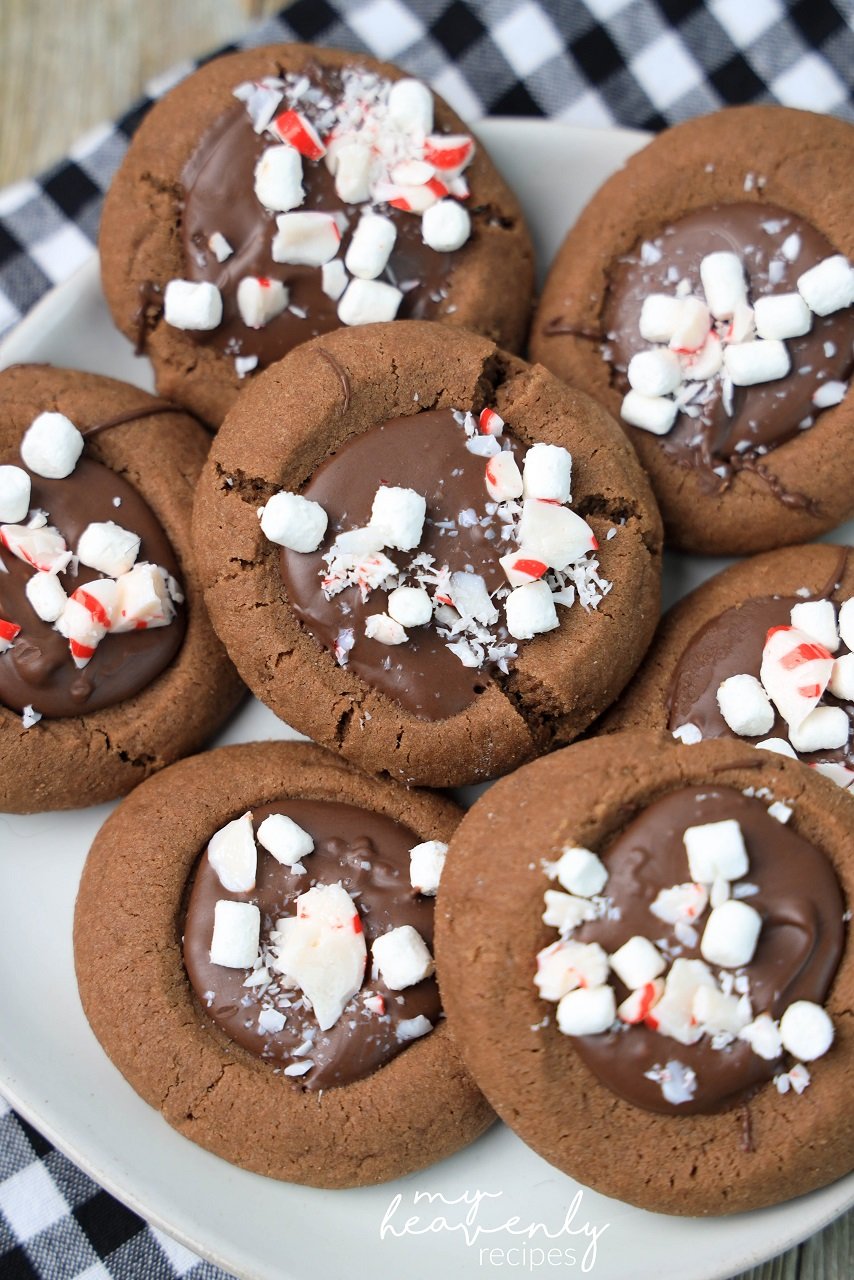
479,1222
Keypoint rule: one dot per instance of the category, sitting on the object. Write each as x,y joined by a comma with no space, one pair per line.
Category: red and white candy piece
503,477
717,1013
763,1036
410,606
142,599
722,277
352,168
285,839
108,548
637,962
15,488
383,629
308,238
409,199
278,179
681,904
828,286
693,327
660,316
445,226
334,278
297,130
371,246
9,632
704,363
402,957
744,706
817,619
260,300
731,933
448,152
841,683
398,515
470,598
655,373
547,473
521,567
41,546
530,611
426,863
51,446
763,360
716,850
410,107
655,414
566,965
46,595
554,534
806,1030
490,423
565,912
824,729
87,617
236,934
782,315
587,1012
322,949
637,1006
673,1015
580,871
795,672
369,302
233,856
292,521
192,304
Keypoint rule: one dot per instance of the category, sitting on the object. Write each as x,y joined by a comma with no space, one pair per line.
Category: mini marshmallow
41,546
846,623
554,534
828,286
547,473
718,1013
471,599
383,629
308,239
673,1015
219,246
142,599
233,856
322,950
45,594
716,849
192,304
334,279
639,1004
285,839
15,488
51,446
795,671
763,1036
402,957
722,276
763,360
659,317
817,619
352,172
278,178
730,936
745,706
680,904
688,734
410,106
260,300
587,1012
655,373
842,678
530,611
295,522
693,327
806,1030
236,934
637,962
782,315
503,477
410,606
824,729
445,226
371,246
108,548
426,862
413,1028
580,871
655,414
398,514
565,912
566,965
778,745
520,567
368,302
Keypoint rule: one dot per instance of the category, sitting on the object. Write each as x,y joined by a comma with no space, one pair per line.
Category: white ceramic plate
496,1206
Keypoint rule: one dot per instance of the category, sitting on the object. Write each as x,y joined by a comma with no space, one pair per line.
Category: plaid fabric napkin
636,63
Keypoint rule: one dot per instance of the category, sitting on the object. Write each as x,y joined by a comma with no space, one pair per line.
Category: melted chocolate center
38,669
797,955
369,854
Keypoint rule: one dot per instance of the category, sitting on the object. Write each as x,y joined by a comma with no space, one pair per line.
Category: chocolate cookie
403,607
271,1062
704,297
109,668
278,193
642,949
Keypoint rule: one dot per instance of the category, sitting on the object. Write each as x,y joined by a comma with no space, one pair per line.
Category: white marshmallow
719,892
192,304
322,949
640,1003
219,246
402,957
87,617
445,226
682,903
233,856
673,1015
51,446
565,912
41,546
410,606
782,315
142,599
795,671
368,302
285,839
828,286
278,178
308,239
745,706
817,619
693,328
637,962
530,611
824,729
426,863
413,1028
383,629
520,567
846,623
842,678
806,1030
587,1012
334,279
503,477
371,246
580,871
779,745
763,360
108,548
45,594
659,317
722,276
554,534
566,965
398,514
655,414
731,933
547,472
15,488
352,172
410,106
688,734
763,1036
655,373
718,1013
295,522
716,849
236,934
260,300
699,365
471,599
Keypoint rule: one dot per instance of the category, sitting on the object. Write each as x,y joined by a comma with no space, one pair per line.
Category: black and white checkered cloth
637,63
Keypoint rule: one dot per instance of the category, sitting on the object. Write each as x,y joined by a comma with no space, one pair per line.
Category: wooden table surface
45,105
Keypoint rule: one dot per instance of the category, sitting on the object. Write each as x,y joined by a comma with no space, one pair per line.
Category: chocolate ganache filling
789,882
716,433
369,854
38,670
